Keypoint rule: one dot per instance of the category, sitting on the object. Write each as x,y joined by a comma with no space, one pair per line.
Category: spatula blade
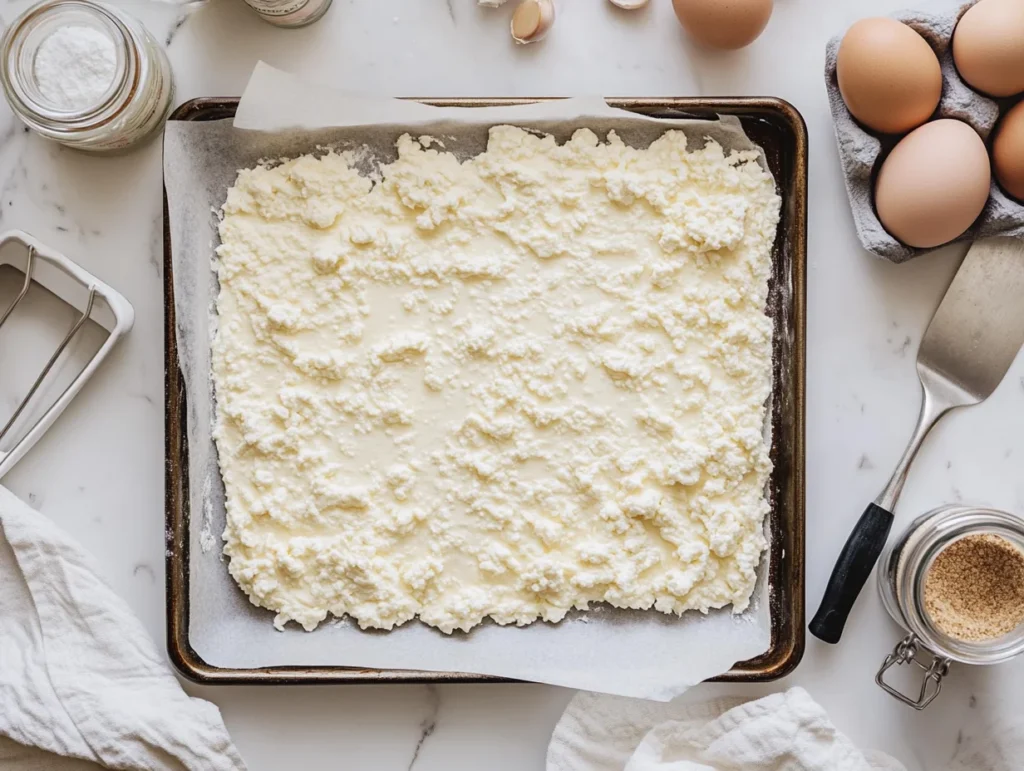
978,328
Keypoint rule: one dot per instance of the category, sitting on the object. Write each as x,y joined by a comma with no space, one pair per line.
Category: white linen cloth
782,732
81,683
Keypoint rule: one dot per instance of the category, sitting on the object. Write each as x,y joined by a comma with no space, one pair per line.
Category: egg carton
861,152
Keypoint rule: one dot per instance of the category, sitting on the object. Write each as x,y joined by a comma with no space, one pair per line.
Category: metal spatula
968,346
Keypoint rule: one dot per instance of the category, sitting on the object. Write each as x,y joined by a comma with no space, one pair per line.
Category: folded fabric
79,676
783,732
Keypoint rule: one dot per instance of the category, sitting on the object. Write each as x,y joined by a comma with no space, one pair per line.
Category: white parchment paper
632,653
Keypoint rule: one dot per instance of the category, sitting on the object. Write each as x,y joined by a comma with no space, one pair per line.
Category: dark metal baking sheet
779,129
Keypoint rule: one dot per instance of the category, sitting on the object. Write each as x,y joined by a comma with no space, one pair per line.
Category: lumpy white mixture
502,388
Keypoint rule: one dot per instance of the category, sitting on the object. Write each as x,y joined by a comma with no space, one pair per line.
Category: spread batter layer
502,388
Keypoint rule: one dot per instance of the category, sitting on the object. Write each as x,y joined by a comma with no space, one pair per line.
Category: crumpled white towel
79,676
782,732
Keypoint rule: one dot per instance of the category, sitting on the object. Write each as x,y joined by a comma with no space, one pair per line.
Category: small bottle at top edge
290,13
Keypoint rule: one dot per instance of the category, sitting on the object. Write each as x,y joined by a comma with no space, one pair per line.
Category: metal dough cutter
94,300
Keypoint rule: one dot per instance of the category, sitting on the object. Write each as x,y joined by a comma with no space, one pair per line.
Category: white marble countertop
99,471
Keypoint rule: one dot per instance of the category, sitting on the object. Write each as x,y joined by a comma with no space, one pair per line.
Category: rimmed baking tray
778,128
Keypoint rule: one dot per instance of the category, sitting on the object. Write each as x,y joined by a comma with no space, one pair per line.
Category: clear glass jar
290,13
130,108
901,575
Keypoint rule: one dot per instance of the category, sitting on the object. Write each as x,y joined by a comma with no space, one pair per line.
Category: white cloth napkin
783,732
79,676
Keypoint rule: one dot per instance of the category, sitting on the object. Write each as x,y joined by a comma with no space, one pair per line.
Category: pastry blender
93,299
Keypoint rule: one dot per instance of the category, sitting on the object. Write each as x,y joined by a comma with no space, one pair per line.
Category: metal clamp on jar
955,581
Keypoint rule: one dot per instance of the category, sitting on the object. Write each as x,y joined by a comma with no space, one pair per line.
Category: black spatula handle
851,572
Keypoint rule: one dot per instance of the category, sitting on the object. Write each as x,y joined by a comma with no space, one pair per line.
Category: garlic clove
629,5
491,3
532,19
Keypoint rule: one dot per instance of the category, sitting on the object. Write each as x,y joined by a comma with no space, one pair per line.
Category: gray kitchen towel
81,683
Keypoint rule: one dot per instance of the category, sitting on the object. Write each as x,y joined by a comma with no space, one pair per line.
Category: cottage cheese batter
500,389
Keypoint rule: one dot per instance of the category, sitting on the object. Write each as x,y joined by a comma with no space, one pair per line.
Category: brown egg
1008,152
988,47
889,76
934,184
724,23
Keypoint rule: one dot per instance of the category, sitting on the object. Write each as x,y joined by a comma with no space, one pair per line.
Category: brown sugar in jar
954,580
974,588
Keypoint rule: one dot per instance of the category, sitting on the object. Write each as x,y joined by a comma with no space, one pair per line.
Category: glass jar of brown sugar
955,581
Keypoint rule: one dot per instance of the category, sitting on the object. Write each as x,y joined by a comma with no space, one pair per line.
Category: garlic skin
628,5
532,20
491,3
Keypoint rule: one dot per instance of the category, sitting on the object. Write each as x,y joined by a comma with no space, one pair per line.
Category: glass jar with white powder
85,74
